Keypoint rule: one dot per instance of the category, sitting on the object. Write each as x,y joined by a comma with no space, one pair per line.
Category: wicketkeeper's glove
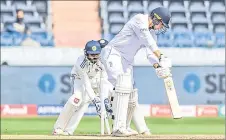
96,102
108,107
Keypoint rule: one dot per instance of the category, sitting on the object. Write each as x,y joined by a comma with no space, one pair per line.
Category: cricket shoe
146,133
132,132
121,133
60,132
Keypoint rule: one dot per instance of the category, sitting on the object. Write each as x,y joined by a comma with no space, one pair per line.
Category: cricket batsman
118,56
86,77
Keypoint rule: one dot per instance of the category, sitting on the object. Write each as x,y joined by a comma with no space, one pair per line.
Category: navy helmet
103,42
163,15
93,47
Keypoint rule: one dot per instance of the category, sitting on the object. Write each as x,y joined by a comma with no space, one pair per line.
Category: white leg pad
123,89
120,105
139,121
72,105
76,118
133,99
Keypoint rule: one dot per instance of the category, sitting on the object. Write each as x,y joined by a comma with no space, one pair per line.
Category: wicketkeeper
86,77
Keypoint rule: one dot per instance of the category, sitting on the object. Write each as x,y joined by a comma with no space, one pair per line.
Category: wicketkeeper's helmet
92,47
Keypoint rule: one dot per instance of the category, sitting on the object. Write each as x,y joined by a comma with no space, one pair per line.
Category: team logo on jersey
94,48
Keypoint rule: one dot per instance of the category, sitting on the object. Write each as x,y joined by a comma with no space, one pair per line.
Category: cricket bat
172,97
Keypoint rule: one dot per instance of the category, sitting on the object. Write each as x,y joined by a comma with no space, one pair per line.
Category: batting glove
96,102
165,61
163,72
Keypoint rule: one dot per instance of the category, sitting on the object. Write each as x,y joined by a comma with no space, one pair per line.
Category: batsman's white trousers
115,64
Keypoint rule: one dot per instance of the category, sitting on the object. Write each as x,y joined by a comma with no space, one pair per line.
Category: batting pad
76,118
132,104
68,111
123,90
120,106
139,121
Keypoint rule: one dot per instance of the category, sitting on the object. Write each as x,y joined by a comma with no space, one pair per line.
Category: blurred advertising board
18,110
49,110
91,111
165,110
31,110
160,111
54,110
221,110
187,111
51,85
206,111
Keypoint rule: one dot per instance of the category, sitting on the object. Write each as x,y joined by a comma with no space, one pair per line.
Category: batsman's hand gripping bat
172,97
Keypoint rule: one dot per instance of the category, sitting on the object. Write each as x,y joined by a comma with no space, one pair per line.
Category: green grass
91,125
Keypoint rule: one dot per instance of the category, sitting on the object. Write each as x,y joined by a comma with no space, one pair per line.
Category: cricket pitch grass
89,128
98,137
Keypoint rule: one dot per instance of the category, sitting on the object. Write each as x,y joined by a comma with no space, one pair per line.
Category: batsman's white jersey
85,77
133,36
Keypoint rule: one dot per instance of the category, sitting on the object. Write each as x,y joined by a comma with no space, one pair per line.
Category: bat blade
172,97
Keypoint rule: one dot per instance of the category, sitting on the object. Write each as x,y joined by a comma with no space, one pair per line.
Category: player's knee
124,83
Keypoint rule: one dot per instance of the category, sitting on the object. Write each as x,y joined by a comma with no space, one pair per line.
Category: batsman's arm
161,72
141,29
154,61
151,57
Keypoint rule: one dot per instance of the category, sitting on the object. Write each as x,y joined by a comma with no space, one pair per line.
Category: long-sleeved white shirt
92,75
134,35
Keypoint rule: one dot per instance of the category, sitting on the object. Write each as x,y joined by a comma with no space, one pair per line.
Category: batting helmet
103,42
161,14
